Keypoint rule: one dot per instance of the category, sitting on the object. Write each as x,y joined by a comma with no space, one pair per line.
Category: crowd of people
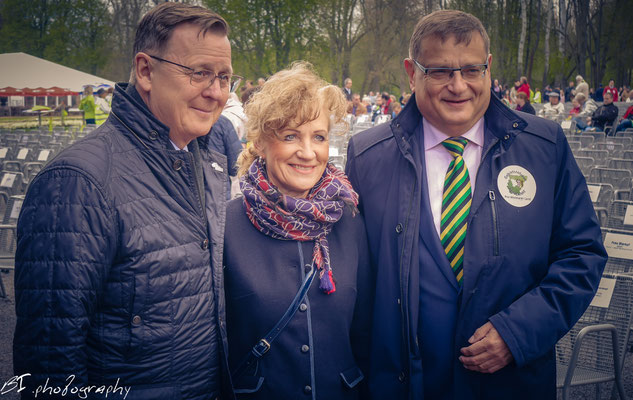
137,277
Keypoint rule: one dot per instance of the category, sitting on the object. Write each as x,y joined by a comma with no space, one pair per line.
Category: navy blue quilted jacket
119,263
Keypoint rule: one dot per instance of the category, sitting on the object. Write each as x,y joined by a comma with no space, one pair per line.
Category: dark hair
156,27
445,24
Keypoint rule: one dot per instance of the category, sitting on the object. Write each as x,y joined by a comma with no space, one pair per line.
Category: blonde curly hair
290,98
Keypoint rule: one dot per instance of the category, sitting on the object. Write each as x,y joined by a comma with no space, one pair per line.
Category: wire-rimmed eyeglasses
204,78
440,75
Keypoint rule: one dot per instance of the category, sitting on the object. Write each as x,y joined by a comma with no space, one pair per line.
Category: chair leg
3,292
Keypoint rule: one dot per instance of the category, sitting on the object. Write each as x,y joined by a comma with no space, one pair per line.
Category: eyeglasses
204,78
470,73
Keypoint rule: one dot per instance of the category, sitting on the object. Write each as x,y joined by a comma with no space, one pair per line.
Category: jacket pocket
136,322
351,377
248,384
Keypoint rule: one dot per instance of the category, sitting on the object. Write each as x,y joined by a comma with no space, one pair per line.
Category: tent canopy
25,75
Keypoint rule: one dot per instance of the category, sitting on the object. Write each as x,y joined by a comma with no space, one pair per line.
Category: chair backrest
601,157
574,144
613,304
585,164
621,163
601,194
621,215
618,178
382,118
9,224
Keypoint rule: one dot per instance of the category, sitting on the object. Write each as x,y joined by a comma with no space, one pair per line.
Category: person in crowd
118,275
396,108
624,95
102,108
629,98
297,222
496,90
347,89
546,91
87,105
537,96
611,89
523,104
626,120
356,108
598,94
377,109
386,103
554,109
513,92
604,116
406,99
592,94
224,140
575,108
109,95
234,111
372,97
570,91
582,86
260,82
524,86
587,107
470,185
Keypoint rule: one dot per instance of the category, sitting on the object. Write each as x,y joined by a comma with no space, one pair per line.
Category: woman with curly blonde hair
296,223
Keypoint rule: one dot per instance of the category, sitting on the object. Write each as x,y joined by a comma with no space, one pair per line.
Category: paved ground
7,325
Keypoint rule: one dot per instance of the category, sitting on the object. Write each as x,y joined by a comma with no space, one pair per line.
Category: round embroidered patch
516,185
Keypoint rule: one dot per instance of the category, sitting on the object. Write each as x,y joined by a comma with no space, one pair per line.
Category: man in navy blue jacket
484,324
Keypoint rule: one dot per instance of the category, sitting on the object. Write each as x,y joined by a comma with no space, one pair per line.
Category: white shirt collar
178,148
434,136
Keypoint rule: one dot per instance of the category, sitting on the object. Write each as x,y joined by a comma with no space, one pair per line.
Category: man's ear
410,68
143,71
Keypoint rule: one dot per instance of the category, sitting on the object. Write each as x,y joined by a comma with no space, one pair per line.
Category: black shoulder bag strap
264,344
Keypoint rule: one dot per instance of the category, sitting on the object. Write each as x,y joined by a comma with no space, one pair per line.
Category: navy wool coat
323,351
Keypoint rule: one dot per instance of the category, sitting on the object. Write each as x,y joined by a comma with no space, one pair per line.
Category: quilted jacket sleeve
66,243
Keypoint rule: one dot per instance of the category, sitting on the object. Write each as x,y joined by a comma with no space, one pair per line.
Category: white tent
20,70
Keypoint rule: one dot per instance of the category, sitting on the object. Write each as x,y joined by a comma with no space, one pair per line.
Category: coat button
515,125
305,348
303,307
153,135
399,228
506,137
178,165
307,389
401,377
307,268
205,244
136,320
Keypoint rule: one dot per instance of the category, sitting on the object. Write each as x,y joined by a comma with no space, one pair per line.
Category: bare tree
524,21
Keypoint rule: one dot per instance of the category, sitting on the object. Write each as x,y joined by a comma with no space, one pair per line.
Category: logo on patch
516,185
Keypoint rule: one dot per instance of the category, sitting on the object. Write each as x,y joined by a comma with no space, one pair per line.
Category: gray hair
445,24
156,27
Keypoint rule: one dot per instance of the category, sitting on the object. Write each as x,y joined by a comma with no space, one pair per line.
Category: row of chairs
22,155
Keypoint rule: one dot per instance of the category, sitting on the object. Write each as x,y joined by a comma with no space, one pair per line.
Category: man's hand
487,353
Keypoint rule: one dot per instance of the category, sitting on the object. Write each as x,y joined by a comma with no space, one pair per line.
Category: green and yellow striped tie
455,206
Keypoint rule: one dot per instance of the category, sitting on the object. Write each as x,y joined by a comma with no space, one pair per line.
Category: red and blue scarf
289,218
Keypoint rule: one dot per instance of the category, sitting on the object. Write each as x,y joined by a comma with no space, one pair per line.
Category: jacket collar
129,109
499,119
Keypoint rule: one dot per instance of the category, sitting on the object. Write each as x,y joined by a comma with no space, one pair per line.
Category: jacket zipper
495,227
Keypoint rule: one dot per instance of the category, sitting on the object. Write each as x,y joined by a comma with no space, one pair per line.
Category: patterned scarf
288,218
